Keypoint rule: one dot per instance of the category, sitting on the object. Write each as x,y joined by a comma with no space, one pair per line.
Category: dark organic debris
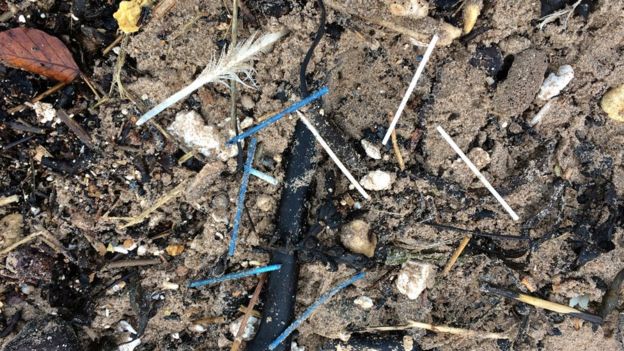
45,334
610,299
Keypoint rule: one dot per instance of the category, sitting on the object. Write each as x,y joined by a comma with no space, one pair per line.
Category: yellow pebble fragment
613,103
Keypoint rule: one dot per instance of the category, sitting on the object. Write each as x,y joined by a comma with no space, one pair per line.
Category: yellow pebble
613,103
174,249
128,16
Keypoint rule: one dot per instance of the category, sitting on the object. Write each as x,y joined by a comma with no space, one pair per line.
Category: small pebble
247,102
377,180
250,328
190,127
556,82
479,157
174,250
170,286
371,150
613,103
246,123
414,278
264,203
355,236
364,302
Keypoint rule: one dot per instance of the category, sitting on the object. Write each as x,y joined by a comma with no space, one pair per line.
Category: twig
476,171
8,200
17,244
174,193
76,128
308,312
397,150
290,109
188,25
248,312
233,276
112,45
133,263
90,85
52,90
443,329
163,8
540,303
553,16
478,232
333,156
240,204
419,38
455,256
410,88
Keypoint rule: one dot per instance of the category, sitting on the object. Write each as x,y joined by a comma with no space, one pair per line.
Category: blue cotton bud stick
308,312
290,109
240,203
233,276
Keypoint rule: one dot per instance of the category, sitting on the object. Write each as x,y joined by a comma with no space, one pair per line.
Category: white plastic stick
410,88
333,155
542,112
476,171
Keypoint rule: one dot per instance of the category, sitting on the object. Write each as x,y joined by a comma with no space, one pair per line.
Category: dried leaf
37,52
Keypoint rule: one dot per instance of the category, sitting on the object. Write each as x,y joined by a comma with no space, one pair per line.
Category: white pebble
377,180
364,302
250,328
45,112
130,346
170,286
413,278
190,127
246,123
21,19
371,150
556,82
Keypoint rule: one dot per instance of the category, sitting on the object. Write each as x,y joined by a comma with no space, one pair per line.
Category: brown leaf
37,52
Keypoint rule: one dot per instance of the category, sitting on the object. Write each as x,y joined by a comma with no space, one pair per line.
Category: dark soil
564,177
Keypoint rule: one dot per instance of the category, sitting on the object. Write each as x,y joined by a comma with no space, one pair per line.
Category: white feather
229,66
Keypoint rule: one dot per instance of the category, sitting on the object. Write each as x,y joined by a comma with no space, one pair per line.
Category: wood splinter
540,303
443,329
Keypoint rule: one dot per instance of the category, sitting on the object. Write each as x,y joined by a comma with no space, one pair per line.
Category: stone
613,103
356,237
264,203
414,278
364,302
556,82
377,180
371,150
190,127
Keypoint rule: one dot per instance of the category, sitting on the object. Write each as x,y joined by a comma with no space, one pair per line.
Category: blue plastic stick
290,109
237,275
240,204
308,312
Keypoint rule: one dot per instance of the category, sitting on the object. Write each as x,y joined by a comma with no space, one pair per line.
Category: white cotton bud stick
477,173
230,64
